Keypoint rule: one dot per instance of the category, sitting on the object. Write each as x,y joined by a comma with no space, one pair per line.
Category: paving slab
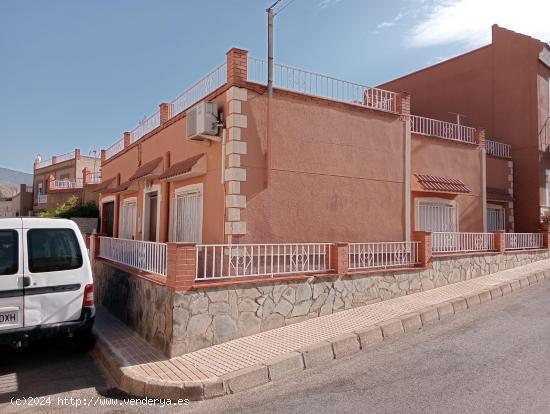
247,362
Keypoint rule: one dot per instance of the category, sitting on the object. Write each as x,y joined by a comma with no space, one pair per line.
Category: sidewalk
268,356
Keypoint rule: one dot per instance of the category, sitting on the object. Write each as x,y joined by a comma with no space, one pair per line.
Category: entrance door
11,274
108,218
153,208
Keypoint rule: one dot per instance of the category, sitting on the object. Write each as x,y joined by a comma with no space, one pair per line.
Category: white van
46,286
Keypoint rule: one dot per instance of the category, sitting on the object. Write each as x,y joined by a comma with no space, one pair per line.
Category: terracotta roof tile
104,185
146,169
181,167
441,184
122,187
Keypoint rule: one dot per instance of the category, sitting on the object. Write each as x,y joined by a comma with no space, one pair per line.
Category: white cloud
392,22
469,21
327,3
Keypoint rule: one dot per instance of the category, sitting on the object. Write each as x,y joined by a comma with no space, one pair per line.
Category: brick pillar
424,247
181,266
127,137
237,63
404,104
500,241
103,156
339,261
546,239
480,137
51,179
85,173
77,154
164,110
54,159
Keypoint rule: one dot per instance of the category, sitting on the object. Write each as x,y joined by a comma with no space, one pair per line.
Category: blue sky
77,73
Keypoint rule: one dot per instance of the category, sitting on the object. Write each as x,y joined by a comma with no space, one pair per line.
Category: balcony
66,184
498,149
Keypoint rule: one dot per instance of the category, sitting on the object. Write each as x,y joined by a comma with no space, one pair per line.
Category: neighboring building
18,205
60,177
321,160
503,87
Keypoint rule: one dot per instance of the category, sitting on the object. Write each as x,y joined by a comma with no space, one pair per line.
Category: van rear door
56,269
11,274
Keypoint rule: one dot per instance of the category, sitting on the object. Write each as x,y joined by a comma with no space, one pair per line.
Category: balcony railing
114,149
523,241
217,261
29,188
66,184
382,255
146,256
442,129
145,126
443,242
498,149
93,178
202,88
42,199
315,84
42,164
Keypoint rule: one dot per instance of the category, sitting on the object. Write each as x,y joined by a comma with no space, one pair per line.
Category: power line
285,6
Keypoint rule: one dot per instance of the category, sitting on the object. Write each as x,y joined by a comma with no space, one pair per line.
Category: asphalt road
493,360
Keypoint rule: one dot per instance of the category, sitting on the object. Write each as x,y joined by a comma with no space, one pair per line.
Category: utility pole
270,18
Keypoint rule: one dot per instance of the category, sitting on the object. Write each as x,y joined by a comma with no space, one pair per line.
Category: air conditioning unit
202,122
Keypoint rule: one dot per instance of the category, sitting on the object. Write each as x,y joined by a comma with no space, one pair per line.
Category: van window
53,250
9,252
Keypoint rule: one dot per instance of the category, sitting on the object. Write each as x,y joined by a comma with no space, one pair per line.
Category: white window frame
178,192
129,200
502,216
145,221
436,200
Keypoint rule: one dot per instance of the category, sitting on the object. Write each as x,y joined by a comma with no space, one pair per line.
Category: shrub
73,208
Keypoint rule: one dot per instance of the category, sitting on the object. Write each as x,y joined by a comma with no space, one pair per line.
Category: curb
130,381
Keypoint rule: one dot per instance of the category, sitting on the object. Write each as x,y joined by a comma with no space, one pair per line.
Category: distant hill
10,180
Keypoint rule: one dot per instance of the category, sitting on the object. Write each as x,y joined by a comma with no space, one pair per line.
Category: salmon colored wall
497,173
173,139
449,159
335,172
496,88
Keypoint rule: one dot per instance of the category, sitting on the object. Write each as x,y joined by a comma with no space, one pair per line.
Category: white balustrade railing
442,129
217,261
142,255
498,149
382,255
93,178
42,164
114,149
67,184
65,157
42,198
202,88
521,241
315,84
145,126
448,242
29,188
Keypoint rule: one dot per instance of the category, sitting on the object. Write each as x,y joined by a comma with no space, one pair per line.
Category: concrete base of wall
180,322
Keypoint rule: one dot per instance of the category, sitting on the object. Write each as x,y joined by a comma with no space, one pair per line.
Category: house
61,177
18,204
504,87
322,159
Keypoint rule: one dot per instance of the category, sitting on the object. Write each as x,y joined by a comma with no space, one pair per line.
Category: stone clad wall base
209,316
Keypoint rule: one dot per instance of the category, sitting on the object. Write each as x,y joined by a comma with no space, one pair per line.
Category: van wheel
83,339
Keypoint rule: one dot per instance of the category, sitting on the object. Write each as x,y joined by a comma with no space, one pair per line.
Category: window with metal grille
432,215
495,218
186,216
128,220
